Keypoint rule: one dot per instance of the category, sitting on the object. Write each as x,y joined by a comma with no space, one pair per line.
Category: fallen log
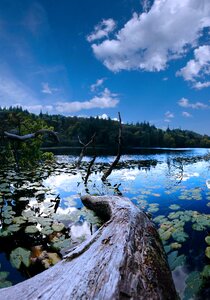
124,259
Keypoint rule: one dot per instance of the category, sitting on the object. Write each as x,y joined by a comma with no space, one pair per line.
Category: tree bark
124,259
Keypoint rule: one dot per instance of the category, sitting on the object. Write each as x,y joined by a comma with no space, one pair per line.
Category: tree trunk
124,259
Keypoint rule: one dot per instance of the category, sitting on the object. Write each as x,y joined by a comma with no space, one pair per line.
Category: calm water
171,185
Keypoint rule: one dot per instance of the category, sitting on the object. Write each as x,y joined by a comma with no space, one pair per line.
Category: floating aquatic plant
175,261
20,255
3,282
207,239
206,271
207,252
193,285
174,206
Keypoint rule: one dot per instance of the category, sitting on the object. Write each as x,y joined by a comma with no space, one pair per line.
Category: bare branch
115,162
82,153
25,137
89,169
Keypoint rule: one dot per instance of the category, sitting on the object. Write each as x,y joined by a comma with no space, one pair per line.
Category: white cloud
104,117
37,108
168,116
200,85
183,102
46,89
186,114
146,4
197,68
149,40
96,85
102,30
106,99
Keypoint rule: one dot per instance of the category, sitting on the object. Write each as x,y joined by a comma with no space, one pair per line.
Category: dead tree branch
89,169
25,137
83,151
115,162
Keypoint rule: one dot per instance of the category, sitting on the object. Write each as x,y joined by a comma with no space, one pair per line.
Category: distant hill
134,135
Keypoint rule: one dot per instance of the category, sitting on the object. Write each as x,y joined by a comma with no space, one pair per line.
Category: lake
42,214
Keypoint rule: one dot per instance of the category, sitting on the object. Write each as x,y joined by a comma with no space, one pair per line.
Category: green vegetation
19,122
69,128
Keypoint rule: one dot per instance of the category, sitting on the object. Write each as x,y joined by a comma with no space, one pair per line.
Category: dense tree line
69,128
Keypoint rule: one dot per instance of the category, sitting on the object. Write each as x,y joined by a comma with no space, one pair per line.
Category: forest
141,134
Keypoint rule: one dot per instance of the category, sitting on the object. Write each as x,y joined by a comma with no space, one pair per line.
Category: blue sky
150,60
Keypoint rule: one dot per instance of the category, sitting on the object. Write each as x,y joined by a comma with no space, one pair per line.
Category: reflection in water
172,186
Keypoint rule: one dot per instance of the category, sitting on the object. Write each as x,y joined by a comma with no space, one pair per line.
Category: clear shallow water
168,183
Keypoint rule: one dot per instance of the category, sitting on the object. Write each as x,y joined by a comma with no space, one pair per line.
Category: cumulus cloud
150,39
104,117
46,89
168,116
96,85
200,85
146,4
102,30
183,102
186,114
197,68
106,99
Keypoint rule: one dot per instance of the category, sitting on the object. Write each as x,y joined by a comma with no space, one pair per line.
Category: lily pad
13,228
3,275
207,252
180,236
47,230
31,229
198,227
206,271
207,239
18,256
175,245
175,261
58,227
194,283
165,235
174,206
62,244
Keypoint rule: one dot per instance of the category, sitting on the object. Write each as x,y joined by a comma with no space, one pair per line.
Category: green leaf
18,256
207,252
3,275
31,229
58,227
206,271
207,239
175,261
174,206
194,283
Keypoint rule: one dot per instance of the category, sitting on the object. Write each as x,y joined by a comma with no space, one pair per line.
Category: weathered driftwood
124,259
